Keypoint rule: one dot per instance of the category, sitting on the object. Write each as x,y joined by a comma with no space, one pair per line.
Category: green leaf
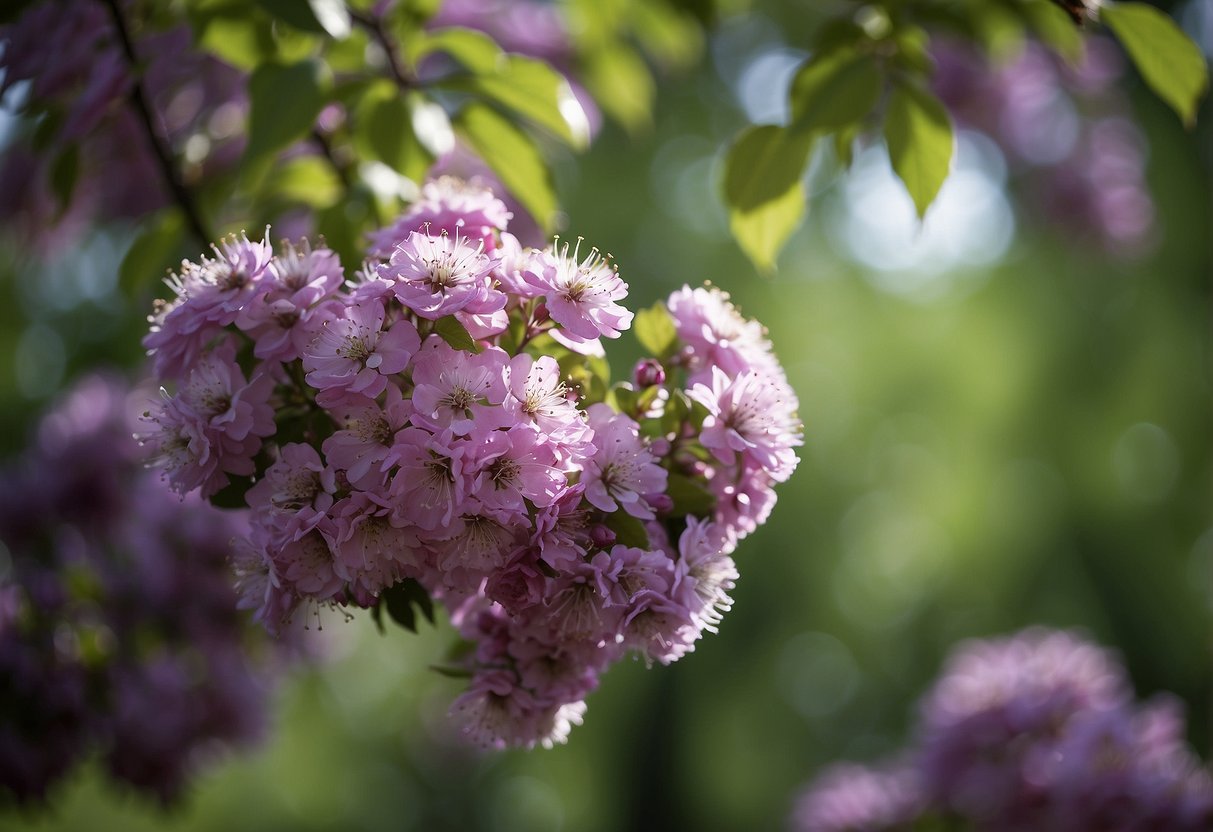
763,164
1171,64
284,101
689,497
456,334
535,91
308,180
389,135
762,232
232,494
919,135
243,38
513,157
655,330
322,17
65,170
475,50
152,252
399,600
628,530
1055,28
834,90
620,82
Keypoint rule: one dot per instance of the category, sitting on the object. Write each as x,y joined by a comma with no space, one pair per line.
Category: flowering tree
406,401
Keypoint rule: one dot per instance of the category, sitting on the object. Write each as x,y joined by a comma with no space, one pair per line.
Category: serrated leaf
454,333
834,90
629,531
919,135
1171,64
763,164
151,253
762,232
655,330
513,157
284,100
689,497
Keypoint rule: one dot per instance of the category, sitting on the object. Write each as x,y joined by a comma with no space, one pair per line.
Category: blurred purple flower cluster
1038,731
1066,132
64,67
444,424
119,633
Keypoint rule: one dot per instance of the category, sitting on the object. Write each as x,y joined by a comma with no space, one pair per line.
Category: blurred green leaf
513,156
762,231
322,17
284,101
151,253
309,180
531,89
386,130
471,48
834,90
1171,64
454,333
65,170
919,135
232,494
244,40
763,164
628,530
689,497
1054,27
620,82
655,330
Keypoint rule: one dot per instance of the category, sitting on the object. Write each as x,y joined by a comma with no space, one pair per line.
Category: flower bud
648,373
602,536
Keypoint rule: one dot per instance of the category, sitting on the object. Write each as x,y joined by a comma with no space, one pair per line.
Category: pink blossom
542,400
354,353
438,276
280,320
706,573
513,466
451,206
371,552
622,472
429,488
297,482
459,390
365,436
714,334
754,415
581,295
561,530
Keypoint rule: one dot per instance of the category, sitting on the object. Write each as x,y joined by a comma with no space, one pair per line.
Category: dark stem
139,100
340,166
374,26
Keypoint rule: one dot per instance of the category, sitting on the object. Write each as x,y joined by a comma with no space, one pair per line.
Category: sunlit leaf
655,330
323,17
512,155
284,101
454,333
152,252
1053,26
689,497
834,90
762,231
919,135
1171,64
622,85
763,164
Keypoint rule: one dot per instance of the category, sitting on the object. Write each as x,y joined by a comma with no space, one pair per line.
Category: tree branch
374,26
143,108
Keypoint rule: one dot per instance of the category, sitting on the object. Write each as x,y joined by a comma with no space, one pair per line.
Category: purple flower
753,415
622,472
440,275
355,353
451,207
852,798
458,390
581,295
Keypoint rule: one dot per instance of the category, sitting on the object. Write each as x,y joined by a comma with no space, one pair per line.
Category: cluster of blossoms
119,633
1066,132
442,425
1038,731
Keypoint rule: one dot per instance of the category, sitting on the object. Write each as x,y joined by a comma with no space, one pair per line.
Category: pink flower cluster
443,422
